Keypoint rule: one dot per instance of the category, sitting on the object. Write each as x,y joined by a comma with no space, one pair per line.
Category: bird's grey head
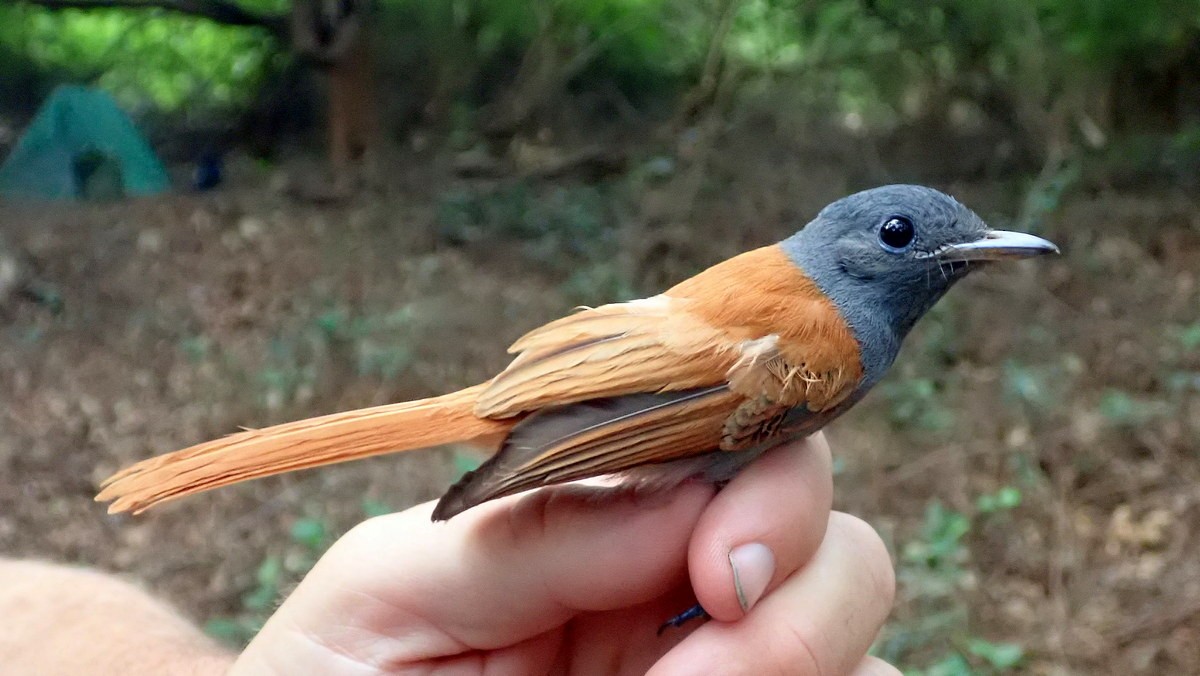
885,256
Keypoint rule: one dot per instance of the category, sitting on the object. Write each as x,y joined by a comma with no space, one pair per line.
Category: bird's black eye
896,234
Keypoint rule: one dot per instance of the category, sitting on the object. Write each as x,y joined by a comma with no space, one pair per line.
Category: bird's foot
695,612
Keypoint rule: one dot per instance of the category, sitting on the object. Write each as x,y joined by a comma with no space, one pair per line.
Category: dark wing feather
594,438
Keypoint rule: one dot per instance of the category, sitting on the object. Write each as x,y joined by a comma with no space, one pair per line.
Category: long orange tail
300,445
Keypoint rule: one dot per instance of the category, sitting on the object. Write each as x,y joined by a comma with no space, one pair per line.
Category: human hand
561,582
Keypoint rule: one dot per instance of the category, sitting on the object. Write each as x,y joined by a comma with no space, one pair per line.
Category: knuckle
801,653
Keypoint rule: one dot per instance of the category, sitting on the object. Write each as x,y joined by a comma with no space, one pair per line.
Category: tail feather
300,445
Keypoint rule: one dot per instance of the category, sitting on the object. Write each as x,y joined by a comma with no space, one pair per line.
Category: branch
704,92
219,11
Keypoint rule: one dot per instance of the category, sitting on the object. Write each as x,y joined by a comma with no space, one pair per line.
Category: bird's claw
695,612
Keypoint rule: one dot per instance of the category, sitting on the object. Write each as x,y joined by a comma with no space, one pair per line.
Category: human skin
563,581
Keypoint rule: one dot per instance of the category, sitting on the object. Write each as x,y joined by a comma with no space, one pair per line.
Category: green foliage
308,539
939,546
381,344
1045,195
879,62
149,60
256,604
1187,336
375,343
1107,32
264,594
47,295
1182,363
1026,385
372,508
287,375
934,568
953,664
999,656
1034,392
567,219
1008,497
197,348
887,60
311,533
464,462
1122,409
996,658
917,403
641,43
600,280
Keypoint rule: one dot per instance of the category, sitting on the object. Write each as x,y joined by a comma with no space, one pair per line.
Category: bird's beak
998,245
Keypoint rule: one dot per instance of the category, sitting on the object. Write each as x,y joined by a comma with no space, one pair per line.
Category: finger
495,575
873,666
821,620
761,527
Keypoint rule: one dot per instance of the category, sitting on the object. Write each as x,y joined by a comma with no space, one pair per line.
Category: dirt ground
1032,460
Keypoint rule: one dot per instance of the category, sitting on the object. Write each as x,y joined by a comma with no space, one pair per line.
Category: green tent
81,145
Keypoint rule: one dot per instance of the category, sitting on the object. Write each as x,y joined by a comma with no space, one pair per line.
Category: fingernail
753,567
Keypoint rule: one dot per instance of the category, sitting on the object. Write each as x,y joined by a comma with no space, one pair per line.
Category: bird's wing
713,363
648,345
754,322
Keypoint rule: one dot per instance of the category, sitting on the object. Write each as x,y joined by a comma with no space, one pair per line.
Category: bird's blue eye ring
896,234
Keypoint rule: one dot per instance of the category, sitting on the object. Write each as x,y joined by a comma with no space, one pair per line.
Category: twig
706,88
539,78
930,460
1155,623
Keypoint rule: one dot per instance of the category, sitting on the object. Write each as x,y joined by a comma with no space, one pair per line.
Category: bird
693,383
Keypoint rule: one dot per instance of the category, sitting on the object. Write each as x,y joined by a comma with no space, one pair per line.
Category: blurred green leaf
917,403
463,463
229,630
1122,409
268,576
1007,497
940,543
950,665
372,508
310,532
1026,384
157,60
332,323
1189,337
1001,656
196,348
